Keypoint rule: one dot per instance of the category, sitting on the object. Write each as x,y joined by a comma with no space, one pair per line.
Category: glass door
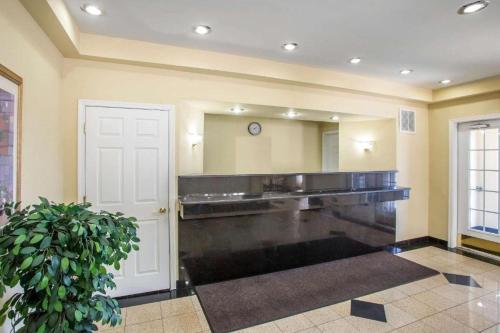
478,174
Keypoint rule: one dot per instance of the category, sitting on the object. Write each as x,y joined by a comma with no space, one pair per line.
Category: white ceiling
427,36
254,110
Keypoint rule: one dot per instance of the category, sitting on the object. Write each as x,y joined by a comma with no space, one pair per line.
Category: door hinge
84,128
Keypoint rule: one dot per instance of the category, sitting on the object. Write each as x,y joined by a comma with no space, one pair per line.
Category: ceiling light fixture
473,7
406,71
335,118
446,81
291,114
237,110
202,29
290,46
355,60
92,10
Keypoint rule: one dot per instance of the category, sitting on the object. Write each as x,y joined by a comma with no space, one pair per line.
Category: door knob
163,210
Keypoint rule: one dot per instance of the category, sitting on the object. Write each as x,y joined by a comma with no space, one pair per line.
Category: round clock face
254,128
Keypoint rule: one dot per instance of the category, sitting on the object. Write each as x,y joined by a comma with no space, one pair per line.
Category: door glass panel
476,160
491,222
476,219
476,200
491,180
491,138
491,160
491,201
476,139
476,179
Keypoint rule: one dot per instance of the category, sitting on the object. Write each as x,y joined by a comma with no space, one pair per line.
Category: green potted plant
59,254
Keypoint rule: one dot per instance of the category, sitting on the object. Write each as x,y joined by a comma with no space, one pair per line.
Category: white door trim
172,183
453,173
323,160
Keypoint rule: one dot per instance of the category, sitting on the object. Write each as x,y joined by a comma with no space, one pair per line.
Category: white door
126,170
478,176
330,151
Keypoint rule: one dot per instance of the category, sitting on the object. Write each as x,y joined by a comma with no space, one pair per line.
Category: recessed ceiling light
355,60
202,29
335,118
290,46
237,109
92,10
446,81
406,71
291,114
473,7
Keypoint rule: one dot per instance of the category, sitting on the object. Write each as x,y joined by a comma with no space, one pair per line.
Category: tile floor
429,305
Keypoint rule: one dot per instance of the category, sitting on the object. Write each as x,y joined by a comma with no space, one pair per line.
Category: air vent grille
407,121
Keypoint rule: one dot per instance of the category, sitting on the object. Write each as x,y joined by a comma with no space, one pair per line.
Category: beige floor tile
493,329
415,308
410,255
154,326
483,266
322,315
177,306
485,308
416,327
311,330
411,288
343,309
462,314
143,313
435,264
459,295
396,317
445,324
429,251
432,282
391,295
294,323
493,297
203,321
493,275
183,323
435,301
450,257
264,328
373,298
113,330
368,325
196,303
338,326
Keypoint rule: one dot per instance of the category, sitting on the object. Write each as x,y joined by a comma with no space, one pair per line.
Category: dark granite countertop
211,198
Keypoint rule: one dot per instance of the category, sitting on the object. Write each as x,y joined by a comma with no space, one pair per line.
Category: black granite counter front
242,225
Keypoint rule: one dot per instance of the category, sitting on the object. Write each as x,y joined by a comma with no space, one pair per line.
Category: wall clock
254,128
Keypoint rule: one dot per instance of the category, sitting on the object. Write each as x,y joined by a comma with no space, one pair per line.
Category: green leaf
20,231
34,216
26,263
117,265
16,249
36,238
135,247
20,239
35,279
61,292
41,329
45,243
64,264
43,284
58,306
78,315
28,250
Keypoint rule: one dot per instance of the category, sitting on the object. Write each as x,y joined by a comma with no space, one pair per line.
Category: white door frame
323,166
453,173
172,181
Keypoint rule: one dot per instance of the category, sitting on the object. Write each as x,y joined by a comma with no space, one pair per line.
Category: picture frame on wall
11,88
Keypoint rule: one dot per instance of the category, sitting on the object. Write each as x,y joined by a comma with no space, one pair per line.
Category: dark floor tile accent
368,310
463,280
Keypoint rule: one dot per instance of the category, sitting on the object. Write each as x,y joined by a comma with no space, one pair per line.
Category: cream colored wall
383,154
107,81
283,146
440,115
28,52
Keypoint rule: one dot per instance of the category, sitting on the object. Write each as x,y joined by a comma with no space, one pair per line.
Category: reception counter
233,226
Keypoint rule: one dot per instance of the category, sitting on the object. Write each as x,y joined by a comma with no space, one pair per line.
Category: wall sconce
366,145
195,139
